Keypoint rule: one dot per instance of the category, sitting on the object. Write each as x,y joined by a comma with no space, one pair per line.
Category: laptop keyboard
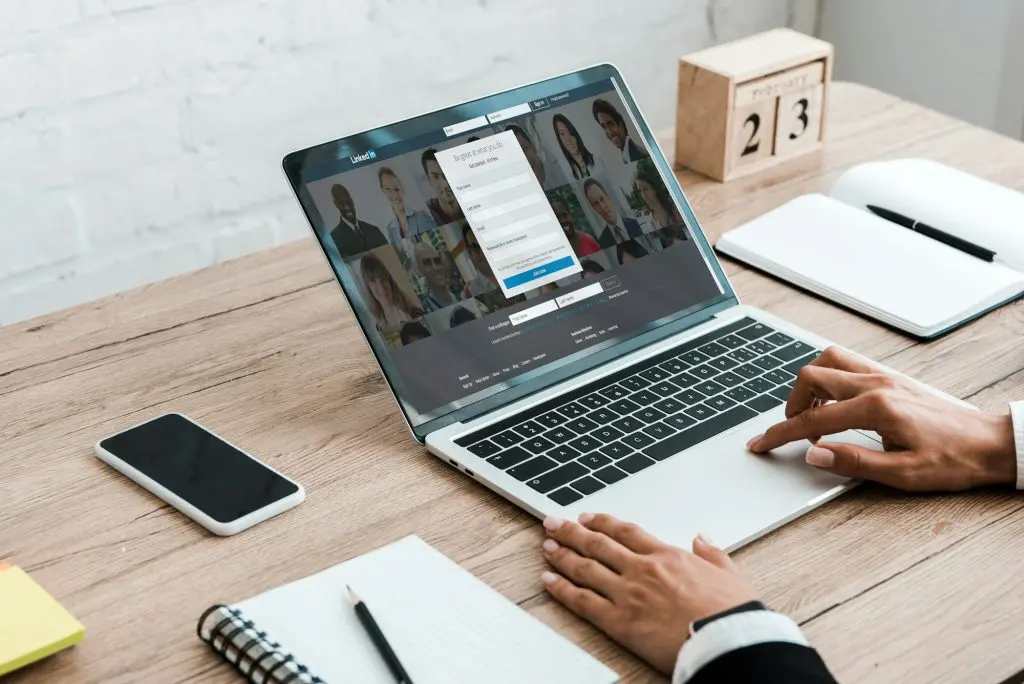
578,444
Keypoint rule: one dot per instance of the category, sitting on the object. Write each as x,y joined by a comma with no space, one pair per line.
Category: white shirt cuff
1017,416
731,633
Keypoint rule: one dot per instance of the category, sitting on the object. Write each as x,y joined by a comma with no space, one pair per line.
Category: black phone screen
199,467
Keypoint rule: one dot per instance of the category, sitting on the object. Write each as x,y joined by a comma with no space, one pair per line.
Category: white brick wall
142,138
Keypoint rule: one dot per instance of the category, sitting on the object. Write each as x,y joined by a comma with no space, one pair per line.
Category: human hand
639,591
930,443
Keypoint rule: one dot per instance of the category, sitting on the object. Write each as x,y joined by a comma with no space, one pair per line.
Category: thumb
703,547
850,460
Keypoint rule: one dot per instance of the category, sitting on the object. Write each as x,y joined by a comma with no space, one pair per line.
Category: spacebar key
698,433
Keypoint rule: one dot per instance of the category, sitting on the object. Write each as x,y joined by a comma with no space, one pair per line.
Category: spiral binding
250,651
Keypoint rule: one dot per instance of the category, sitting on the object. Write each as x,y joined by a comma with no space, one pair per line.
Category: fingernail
705,539
585,518
754,440
550,545
548,578
821,458
551,523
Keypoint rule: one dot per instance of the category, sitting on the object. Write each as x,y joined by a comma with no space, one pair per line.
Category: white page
869,264
445,625
951,200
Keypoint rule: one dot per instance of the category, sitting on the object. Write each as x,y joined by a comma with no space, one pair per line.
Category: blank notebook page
445,625
861,257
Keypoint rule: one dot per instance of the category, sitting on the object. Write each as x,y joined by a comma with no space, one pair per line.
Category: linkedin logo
365,156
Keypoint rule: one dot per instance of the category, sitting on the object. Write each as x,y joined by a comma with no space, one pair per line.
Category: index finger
821,382
845,360
816,421
630,535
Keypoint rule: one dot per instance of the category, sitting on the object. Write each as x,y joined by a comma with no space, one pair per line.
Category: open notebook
833,246
446,626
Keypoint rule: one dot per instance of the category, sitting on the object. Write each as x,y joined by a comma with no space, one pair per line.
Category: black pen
934,233
378,639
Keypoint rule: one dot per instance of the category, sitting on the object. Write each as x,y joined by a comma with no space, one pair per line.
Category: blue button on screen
537,273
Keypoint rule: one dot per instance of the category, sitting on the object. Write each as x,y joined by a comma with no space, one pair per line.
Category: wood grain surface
891,587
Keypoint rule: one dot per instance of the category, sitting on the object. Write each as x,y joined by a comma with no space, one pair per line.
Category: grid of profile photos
398,228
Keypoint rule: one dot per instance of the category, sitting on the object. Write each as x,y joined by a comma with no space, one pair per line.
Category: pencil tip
352,595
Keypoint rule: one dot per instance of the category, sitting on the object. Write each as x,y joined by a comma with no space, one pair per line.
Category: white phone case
222,529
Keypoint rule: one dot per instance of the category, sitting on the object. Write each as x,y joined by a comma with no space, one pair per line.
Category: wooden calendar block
740,105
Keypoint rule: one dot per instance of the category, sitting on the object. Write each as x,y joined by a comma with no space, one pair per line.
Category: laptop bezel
294,162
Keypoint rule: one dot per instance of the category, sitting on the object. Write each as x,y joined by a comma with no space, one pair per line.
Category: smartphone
200,473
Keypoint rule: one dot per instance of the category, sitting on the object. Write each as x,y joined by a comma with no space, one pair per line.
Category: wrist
997,451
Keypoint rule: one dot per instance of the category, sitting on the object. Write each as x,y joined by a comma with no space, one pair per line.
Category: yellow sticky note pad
32,624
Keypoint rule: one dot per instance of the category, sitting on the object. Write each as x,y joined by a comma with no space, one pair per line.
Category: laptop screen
487,244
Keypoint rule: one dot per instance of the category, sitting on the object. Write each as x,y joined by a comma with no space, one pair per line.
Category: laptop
550,317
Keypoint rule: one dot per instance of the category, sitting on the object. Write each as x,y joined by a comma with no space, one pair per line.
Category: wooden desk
891,587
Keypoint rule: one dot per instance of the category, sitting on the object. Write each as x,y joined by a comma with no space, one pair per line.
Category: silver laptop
550,317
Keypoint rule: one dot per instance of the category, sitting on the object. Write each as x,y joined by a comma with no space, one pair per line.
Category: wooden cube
752,103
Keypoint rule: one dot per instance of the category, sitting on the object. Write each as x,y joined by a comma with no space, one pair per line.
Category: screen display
482,252
202,469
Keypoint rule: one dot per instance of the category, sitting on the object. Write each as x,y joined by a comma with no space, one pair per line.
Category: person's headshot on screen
591,269
655,197
388,304
581,243
616,229
406,222
484,280
530,151
443,206
629,251
579,158
614,127
352,236
460,315
413,331
436,271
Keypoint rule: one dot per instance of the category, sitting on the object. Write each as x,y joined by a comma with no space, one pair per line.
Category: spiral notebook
445,625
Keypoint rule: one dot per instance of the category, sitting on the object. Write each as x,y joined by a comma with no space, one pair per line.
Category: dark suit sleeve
749,644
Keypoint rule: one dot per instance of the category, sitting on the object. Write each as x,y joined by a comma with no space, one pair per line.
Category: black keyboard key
537,445
585,444
581,425
781,392
698,433
759,386
764,403
528,429
602,416
778,377
560,435
709,388
692,357
732,341
704,372
572,410
794,366
684,380
509,458
637,440
712,349
551,419
748,371
507,439
645,397
635,383
635,463
729,379
670,405
680,421
740,394
659,430
649,414
485,448
615,450
674,366
594,401
755,331
766,363
624,406
690,397
655,374
723,363
565,496
610,475
594,461
742,355
761,347
793,351
700,412
532,468
663,389
606,433
587,485
720,403
779,339
614,392
564,453
628,424
557,477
